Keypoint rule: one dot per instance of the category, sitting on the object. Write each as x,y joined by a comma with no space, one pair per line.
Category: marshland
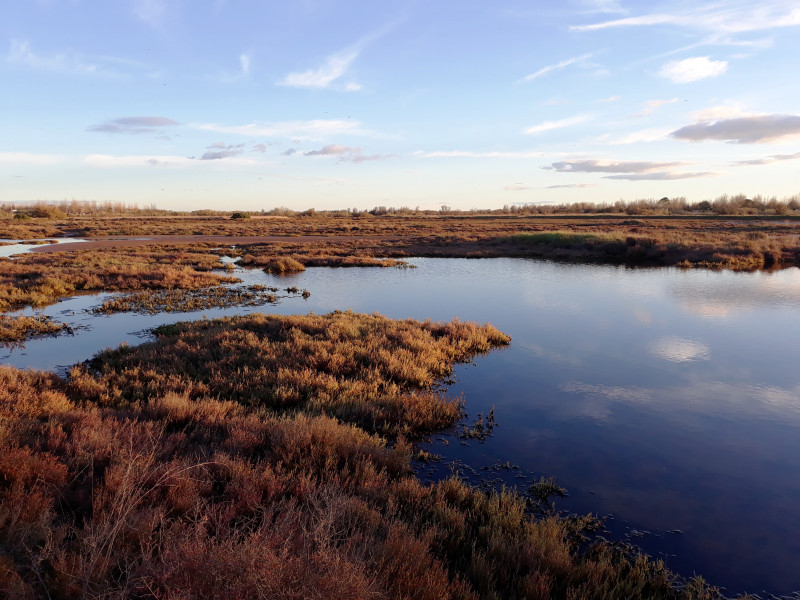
639,361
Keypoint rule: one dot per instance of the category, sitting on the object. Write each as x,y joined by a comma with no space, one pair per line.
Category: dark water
668,399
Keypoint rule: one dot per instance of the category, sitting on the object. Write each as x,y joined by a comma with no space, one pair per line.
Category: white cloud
334,67
317,129
718,18
626,22
652,105
20,53
693,69
755,129
471,154
555,67
643,135
517,187
244,63
26,158
549,125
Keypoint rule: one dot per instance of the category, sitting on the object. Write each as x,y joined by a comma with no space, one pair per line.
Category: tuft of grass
15,330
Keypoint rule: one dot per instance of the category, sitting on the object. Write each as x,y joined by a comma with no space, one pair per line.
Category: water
17,247
668,399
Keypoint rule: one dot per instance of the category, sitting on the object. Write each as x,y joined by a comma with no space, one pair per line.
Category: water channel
668,399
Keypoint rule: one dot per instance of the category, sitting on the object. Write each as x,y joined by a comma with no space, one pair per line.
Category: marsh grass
41,279
155,301
146,480
15,330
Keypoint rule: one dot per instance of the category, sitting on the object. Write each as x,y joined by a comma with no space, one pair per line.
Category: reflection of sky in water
616,382
14,247
679,350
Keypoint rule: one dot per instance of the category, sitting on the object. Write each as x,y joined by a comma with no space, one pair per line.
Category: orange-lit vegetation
221,472
729,232
155,301
15,330
40,279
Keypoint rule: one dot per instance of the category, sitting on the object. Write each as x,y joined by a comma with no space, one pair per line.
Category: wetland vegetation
271,453
274,453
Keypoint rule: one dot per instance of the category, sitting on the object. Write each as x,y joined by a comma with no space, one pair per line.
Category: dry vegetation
182,479
15,330
157,301
40,279
37,279
729,232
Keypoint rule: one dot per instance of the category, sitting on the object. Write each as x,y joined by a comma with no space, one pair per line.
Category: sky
258,104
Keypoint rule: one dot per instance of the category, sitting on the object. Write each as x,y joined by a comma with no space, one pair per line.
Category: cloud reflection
679,350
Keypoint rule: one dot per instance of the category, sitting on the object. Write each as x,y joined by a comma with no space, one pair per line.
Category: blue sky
347,104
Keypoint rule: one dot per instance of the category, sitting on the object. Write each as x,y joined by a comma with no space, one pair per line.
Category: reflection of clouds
540,352
642,316
718,295
596,400
613,392
679,350
734,400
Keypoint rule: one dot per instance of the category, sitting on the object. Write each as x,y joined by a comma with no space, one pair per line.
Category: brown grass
168,492
737,243
14,330
40,279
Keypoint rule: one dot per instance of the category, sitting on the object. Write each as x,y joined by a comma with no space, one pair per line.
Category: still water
667,399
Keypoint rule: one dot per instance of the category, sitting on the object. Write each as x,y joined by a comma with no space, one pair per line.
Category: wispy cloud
662,176
555,67
317,129
693,69
571,185
20,53
107,161
27,158
220,150
517,187
755,129
334,67
652,105
679,350
133,125
111,161
768,160
472,154
550,125
347,153
611,166
643,135
603,6
720,18
152,12
627,169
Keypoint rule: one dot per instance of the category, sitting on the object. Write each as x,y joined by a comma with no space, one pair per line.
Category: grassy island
269,457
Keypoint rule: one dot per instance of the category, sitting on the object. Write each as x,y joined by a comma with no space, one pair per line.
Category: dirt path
124,241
